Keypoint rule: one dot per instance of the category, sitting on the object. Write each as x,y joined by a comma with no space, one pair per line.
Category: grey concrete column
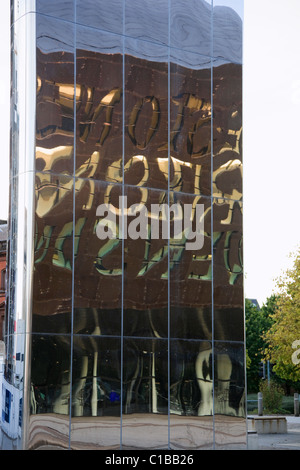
260,404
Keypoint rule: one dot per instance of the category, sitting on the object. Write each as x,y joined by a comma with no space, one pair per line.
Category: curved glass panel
229,396
50,392
98,259
125,323
96,393
190,25
191,399
145,391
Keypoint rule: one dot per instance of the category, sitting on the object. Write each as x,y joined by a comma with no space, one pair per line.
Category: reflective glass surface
190,25
99,105
50,391
227,130
98,262
146,114
228,254
101,15
145,392
96,393
145,264
142,21
229,395
53,254
191,395
60,9
12,252
190,265
190,123
55,95
22,99
228,29
126,137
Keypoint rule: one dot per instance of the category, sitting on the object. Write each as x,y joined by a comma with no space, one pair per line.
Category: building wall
3,248
2,290
127,343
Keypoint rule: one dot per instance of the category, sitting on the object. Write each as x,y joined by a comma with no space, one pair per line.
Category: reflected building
125,342
3,242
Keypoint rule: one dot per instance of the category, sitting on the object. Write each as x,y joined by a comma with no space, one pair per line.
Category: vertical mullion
168,296
123,193
212,217
74,221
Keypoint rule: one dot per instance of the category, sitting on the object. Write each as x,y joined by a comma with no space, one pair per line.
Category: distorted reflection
145,378
192,378
145,389
137,340
229,379
228,254
190,24
51,378
96,377
228,29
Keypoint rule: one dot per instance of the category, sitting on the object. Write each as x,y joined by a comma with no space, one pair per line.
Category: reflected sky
236,5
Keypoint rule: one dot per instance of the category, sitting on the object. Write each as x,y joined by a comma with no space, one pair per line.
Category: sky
271,129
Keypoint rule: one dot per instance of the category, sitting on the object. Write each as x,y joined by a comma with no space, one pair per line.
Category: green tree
258,321
285,330
273,394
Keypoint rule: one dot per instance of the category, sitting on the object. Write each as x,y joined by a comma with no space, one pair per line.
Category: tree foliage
258,321
285,329
272,396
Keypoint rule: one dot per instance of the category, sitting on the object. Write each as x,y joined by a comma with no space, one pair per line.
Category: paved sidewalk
288,441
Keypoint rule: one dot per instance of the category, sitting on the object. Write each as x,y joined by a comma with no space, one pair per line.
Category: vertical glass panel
16,98
146,114
22,99
143,20
53,253
55,95
190,25
228,29
98,258
190,123
96,393
190,267
229,323
145,394
101,14
59,9
99,103
191,395
227,131
20,257
228,269
12,383
50,392
229,396
12,257
146,263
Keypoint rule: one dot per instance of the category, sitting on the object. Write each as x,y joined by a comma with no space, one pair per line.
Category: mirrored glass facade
125,342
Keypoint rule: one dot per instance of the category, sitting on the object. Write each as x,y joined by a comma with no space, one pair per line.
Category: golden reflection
237,133
160,139
154,120
51,188
51,156
66,94
231,166
106,105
